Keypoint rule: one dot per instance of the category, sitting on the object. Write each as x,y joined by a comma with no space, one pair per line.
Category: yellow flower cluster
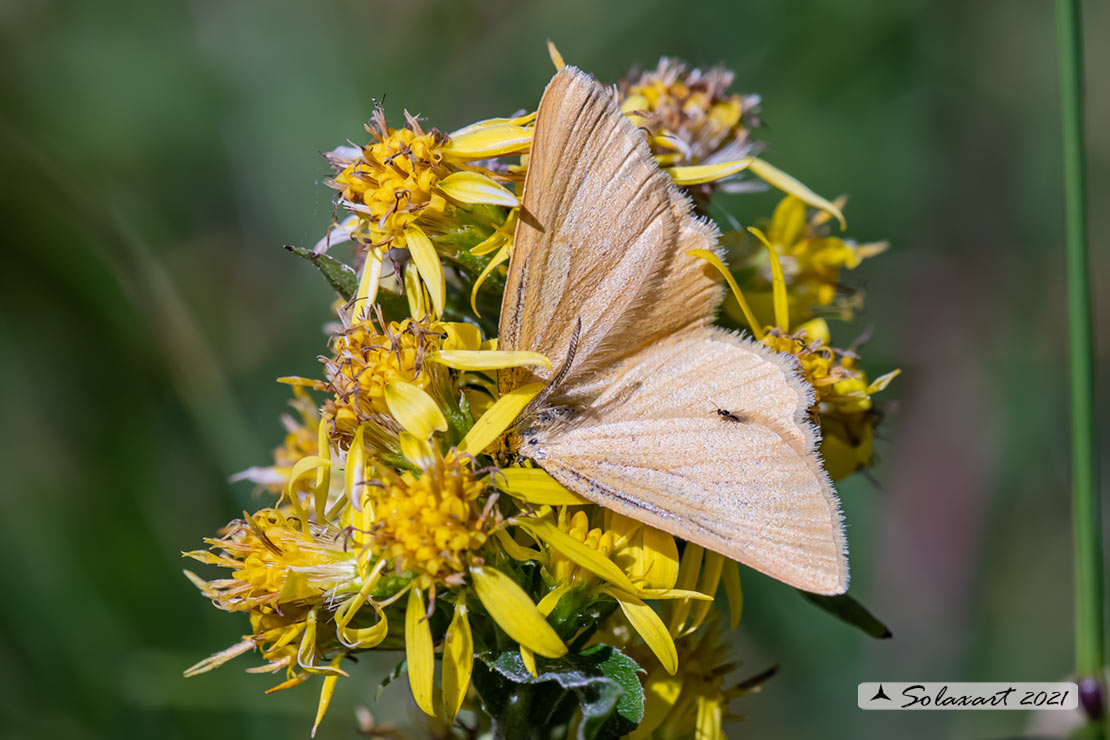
396,529
426,524
366,358
392,181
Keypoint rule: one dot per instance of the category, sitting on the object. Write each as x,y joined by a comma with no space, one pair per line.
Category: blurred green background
156,156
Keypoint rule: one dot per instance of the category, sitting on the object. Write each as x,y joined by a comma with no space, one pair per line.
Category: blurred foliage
156,157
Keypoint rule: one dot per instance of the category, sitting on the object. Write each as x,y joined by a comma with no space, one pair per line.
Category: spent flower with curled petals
690,116
699,132
295,579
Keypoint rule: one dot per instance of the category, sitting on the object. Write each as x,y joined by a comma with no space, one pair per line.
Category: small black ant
731,415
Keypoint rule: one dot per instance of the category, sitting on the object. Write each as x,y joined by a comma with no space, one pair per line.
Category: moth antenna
559,375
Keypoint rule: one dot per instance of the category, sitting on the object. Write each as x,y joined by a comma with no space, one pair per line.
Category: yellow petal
787,184
491,122
474,187
419,652
649,626
672,593
325,695
417,450
347,610
731,578
323,474
788,224
661,693
414,409
709,719
529,659
355,474
414,292
703,173
296,680
635,103
546,606
298,382
815,329
659,556
688,571
556,57
364,638
461,359
490,141
305,467
551,599
535,486
514,549
711,566
497,419
306,652
515,613
427,262
714,260
583,555
778,282
495,241
458,661
367,291
461,336
502,255
882,381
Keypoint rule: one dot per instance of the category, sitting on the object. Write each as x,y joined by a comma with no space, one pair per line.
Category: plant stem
1089,646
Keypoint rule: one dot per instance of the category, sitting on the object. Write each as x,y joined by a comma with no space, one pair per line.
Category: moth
600,277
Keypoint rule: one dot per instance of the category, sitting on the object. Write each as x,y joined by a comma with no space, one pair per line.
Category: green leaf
340,277
602,681
344,281
850,611
399,670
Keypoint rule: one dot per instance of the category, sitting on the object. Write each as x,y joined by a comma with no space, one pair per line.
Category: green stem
1089,646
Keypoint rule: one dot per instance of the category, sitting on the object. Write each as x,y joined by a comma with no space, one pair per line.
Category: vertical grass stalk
1089,645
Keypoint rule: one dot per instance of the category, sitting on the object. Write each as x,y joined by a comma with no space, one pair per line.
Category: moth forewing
603,240
602,245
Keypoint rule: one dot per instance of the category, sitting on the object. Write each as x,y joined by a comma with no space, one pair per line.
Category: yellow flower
432,524
625,560
811,262
369,355
843,406
410,188
697,697
427,522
